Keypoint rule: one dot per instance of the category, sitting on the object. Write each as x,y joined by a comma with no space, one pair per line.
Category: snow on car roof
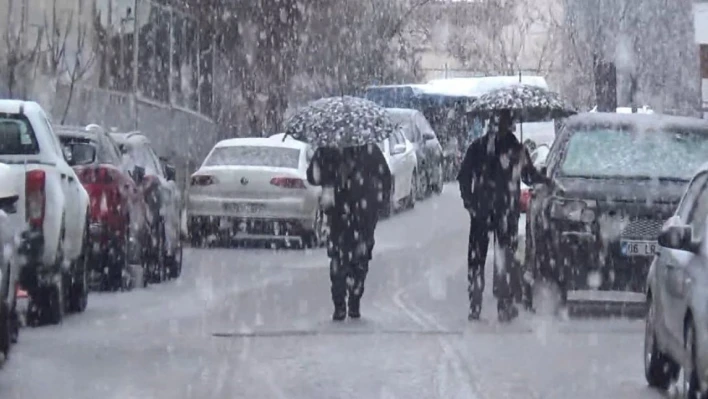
261,142
642,121
477,86
19,106
402,111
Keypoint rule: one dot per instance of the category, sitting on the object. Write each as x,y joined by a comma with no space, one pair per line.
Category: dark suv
621,175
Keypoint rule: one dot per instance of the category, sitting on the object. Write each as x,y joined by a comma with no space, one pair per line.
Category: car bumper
588,262
250,228
298,208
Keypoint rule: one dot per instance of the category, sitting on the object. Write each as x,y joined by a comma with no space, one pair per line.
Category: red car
117,208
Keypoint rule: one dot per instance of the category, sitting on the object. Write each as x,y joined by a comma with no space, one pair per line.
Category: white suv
54,205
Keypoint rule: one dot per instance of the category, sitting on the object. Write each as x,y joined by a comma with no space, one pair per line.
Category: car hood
624,190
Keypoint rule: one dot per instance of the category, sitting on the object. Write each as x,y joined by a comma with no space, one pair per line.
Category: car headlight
573,210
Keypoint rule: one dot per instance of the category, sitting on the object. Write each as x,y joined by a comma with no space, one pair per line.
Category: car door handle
63,175
71,179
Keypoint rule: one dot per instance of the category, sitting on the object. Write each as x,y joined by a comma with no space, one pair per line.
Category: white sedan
256,189
402,161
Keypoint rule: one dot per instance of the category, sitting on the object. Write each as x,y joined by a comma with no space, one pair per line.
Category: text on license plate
638,248
243,207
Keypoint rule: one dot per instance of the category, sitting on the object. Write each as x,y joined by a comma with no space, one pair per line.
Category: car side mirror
123,149
398,149
428,136
138,174
170,172
68,155
678,236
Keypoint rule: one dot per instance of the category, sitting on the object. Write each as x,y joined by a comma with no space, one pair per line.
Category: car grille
642,228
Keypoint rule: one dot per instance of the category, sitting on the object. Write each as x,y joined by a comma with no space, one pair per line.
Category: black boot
354,307
506,310
340,312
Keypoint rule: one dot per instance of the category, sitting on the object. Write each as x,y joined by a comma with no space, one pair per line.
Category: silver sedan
676,335
256,188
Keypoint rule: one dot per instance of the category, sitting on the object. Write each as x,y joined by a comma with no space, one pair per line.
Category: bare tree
17,57
67,63
502,37
81,64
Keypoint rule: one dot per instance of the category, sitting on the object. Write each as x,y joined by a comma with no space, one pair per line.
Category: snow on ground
249,323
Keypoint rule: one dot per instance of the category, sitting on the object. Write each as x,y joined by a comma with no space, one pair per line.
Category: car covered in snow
676,333
54,205
621,176
10,228
402,162
117,210
256,189
155,178
429,153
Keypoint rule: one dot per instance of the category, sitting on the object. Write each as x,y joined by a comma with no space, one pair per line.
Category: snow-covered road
247,323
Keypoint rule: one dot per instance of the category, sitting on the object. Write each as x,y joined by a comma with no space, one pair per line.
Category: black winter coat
361,181
490,174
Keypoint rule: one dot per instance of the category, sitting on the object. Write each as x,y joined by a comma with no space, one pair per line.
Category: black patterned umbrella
530,103
340,122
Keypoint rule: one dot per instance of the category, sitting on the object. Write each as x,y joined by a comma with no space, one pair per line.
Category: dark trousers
507,283
347,278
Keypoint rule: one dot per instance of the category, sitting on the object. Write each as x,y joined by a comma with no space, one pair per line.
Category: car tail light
525,200
35,197
287,182
203,180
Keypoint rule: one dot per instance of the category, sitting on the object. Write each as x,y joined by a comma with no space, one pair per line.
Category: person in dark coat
489,181
359,180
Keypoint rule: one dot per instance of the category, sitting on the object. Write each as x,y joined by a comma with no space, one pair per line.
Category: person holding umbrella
489,185
356,181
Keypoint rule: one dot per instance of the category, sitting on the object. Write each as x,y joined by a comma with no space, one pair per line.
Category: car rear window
83,151
278,157
627,153
17,136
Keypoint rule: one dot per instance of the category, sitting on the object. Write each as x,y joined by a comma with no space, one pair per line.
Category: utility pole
136,64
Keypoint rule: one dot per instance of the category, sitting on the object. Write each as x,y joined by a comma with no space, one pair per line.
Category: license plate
243,207
638,248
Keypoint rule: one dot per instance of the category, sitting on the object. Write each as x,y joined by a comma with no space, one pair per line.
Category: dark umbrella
528,103
340,122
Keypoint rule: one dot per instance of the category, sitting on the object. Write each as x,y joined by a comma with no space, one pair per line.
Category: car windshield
626,153
141,156
17,136
278,157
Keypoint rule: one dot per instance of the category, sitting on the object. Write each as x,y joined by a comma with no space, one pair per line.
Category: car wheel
412,196
691,382
422,187
5,329
659,370
438,186
78,297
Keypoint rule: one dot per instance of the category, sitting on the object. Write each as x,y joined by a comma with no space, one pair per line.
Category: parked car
117,211
403,164
256,189
54,205
10,229
429,153
621,177
164,204
676,333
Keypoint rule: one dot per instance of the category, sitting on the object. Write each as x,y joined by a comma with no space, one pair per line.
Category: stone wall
181,135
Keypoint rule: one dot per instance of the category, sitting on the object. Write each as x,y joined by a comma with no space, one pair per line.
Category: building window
704,61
